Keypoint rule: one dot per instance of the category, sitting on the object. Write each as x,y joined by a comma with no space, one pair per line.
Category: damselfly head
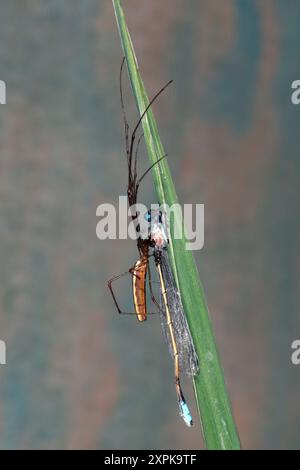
157,229
148,216
154,216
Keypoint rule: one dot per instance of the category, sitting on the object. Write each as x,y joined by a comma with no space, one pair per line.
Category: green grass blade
217,421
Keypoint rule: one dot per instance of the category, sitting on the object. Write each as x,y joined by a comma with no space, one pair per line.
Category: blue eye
148,216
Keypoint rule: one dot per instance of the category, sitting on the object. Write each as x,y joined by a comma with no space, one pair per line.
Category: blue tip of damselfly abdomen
185,413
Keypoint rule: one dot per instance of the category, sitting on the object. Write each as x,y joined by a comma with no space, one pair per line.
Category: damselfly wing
188,359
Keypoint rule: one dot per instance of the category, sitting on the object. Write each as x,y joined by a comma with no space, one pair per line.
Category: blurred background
77,374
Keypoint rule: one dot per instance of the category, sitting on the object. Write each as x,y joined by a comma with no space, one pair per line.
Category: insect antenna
150,168
144,113
133,183
136,155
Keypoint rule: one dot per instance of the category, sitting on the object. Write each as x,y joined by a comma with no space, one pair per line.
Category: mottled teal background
77,374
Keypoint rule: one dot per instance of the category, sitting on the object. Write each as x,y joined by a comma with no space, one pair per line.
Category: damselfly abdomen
174,323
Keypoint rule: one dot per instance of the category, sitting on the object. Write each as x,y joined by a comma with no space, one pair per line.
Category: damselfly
140,269
174,323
